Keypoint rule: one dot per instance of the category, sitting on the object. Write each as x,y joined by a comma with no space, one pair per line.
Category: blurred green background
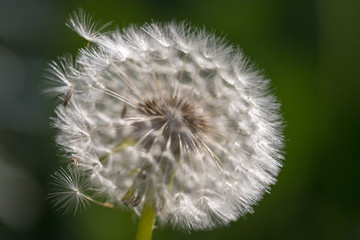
309,48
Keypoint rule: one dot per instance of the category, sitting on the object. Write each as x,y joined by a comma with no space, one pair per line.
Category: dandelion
165,119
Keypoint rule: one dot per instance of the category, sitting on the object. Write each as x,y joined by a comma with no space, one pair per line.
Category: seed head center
174,114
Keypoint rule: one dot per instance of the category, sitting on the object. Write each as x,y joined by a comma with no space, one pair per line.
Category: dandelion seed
69,190
166,117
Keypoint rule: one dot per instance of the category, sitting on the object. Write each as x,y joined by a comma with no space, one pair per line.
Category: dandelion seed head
171,113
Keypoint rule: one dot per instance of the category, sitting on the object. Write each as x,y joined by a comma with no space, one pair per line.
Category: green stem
146,222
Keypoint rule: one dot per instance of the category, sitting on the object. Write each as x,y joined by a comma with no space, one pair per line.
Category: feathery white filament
69,190
170,113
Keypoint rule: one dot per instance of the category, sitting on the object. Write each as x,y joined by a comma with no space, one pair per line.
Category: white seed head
168,113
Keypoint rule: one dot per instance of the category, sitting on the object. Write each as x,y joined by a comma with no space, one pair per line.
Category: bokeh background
309,48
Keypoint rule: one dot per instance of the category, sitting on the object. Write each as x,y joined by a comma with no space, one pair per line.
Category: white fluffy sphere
170,114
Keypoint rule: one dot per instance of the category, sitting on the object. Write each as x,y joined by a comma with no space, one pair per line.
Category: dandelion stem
146,222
